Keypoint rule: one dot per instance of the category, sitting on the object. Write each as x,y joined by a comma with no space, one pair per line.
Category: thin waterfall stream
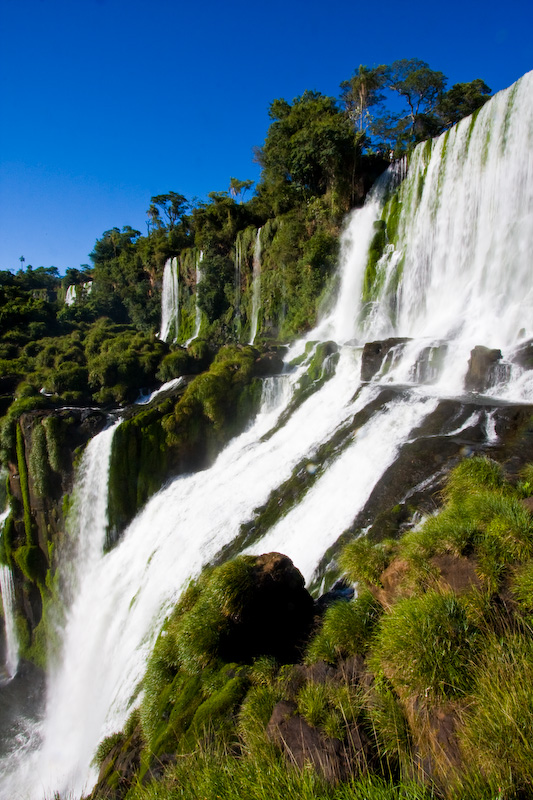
460,261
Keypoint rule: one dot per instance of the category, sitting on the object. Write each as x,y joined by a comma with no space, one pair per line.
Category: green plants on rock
346,629
425,644
364,561
39,467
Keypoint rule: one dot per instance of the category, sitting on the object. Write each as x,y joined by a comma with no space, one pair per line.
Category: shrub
498,725
364,561
346,629
425,644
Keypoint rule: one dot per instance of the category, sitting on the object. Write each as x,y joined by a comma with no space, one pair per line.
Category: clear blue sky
105,103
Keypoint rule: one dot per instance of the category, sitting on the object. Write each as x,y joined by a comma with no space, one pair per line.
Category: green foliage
498,733
106,746
522,586
364,561
24,488
346,630
39,467
308,147
425,644
173,365
32,563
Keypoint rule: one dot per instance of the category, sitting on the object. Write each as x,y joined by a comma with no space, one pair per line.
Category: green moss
39,467
24,488
373,278
221,704
54,430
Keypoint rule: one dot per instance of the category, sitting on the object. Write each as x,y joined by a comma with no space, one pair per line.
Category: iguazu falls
282,531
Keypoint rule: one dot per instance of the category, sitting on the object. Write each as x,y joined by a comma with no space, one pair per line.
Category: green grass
346,629
425,645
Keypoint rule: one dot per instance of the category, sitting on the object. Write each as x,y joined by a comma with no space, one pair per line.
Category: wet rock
482,369
270,363
523,355
374,355
340,590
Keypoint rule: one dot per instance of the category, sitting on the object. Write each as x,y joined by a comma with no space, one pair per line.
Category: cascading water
238,275
169,301
457,263
256,287
29,771
198,313
8,601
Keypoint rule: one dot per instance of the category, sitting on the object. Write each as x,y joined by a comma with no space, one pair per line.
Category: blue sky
105,103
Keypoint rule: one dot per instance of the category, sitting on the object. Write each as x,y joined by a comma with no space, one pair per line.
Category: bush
364,561
498,725
425,646
346,629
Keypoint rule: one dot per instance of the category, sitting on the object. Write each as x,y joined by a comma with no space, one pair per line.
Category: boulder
482,369
374,355
276,616
303,744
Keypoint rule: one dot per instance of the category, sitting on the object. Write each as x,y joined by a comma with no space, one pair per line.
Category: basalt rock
276,618
482,369
375,354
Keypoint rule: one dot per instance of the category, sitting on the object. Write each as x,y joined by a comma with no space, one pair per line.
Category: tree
239,188
173,206
309,149
421,89
461,100
420,86
363,90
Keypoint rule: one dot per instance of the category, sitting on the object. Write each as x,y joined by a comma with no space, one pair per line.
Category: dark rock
303,744
340,590
374,355
482,369
523,355
270,363
277,616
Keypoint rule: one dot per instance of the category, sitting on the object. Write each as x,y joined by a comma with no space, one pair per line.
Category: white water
198,313
449,236
8,601
66,729
7,594
256,287
169,301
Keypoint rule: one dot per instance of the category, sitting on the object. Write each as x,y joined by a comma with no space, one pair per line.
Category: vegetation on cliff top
418,688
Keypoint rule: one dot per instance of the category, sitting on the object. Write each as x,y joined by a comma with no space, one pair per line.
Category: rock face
482,369
276,617
302,744
374,355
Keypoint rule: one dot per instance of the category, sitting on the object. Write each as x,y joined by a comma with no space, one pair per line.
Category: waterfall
7,594
198,313
454,273
256,287
169,301
8,601
63,741
238,274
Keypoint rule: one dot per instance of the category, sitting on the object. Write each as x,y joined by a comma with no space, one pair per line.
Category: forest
319,158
